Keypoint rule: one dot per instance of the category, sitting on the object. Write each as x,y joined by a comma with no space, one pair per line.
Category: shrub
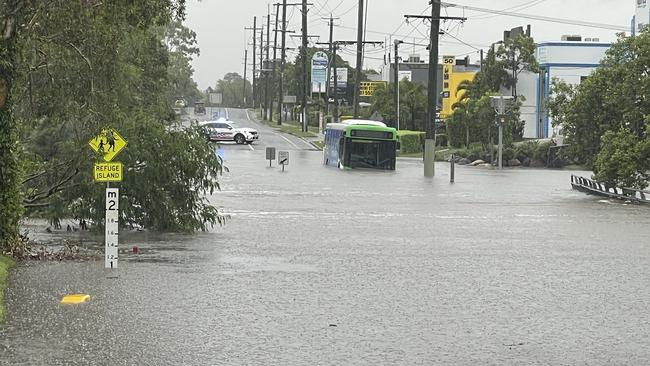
525,150
411,141
541,152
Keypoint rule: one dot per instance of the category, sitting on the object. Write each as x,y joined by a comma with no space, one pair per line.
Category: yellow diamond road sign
109,143
108,172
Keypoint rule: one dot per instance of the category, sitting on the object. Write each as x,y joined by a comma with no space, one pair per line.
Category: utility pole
331,60
260,99
357,79
284,56
245,69
275,57
335,47
397,80
254,29
430,137
265,68
305,77
432,100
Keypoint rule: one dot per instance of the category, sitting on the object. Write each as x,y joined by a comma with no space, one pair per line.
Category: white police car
223,130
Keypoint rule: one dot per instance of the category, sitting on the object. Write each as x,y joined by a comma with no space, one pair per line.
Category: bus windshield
371,154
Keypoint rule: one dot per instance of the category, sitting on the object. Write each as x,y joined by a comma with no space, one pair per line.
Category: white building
641,17
569,61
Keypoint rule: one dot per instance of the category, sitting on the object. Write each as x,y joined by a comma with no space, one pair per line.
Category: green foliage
473,152
10,167
411,141
232,89
83,68
5,265
541,152
525,150
516,55
413,105
613,97
182,46
618,163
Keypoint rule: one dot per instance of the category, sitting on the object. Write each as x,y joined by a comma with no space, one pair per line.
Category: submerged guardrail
590,186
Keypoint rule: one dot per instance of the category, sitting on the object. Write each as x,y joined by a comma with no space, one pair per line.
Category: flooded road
325,267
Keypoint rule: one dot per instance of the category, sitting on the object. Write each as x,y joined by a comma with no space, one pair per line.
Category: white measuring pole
112,227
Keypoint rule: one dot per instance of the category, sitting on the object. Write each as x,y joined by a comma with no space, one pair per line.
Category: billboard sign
319,64
403,74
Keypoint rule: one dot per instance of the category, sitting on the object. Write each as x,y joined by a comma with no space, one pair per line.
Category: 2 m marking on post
111,247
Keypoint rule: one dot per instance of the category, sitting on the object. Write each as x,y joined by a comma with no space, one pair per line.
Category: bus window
370,154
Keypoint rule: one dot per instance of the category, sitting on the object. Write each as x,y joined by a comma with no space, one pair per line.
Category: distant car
223,130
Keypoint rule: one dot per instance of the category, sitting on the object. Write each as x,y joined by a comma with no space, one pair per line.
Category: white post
112,227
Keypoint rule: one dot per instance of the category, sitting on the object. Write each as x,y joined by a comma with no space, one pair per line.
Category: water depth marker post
108,144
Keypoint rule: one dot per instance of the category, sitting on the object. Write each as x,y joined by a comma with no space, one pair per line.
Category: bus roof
354,122
363,122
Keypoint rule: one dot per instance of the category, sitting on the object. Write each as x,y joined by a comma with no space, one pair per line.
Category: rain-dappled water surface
325,267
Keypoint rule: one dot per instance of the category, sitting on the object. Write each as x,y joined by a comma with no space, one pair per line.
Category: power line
541,18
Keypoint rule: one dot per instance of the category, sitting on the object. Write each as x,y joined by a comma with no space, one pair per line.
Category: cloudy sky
220,24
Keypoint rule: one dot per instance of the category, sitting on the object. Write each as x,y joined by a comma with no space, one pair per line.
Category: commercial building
450,76
570,60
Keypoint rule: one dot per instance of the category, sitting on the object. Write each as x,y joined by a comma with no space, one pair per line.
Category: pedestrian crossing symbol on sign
109,143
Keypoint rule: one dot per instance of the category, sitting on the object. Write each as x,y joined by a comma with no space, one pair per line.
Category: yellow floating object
75,299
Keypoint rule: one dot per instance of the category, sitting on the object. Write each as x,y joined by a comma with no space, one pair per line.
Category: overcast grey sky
219,25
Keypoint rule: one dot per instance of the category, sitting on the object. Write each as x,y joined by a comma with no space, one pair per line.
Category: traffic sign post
112,227
107,172
283,158
109,143
270,155
501,105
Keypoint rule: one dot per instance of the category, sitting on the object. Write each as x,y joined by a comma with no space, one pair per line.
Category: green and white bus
354,144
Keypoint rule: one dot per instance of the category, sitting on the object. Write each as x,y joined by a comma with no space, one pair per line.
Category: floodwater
319,266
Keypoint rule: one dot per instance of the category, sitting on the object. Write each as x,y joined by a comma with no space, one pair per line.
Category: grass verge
290,128
319,144
5,264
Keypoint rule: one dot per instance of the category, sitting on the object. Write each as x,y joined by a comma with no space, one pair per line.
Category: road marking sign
108,172
112,227
283,157
108,143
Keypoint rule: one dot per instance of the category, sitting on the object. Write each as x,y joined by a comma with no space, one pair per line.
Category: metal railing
601,189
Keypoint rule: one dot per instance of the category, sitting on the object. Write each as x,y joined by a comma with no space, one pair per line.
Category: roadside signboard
283,158
289,99
112,227
367,88
216,98
405,74
270,154
109,143
341,77
108,172
319,64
